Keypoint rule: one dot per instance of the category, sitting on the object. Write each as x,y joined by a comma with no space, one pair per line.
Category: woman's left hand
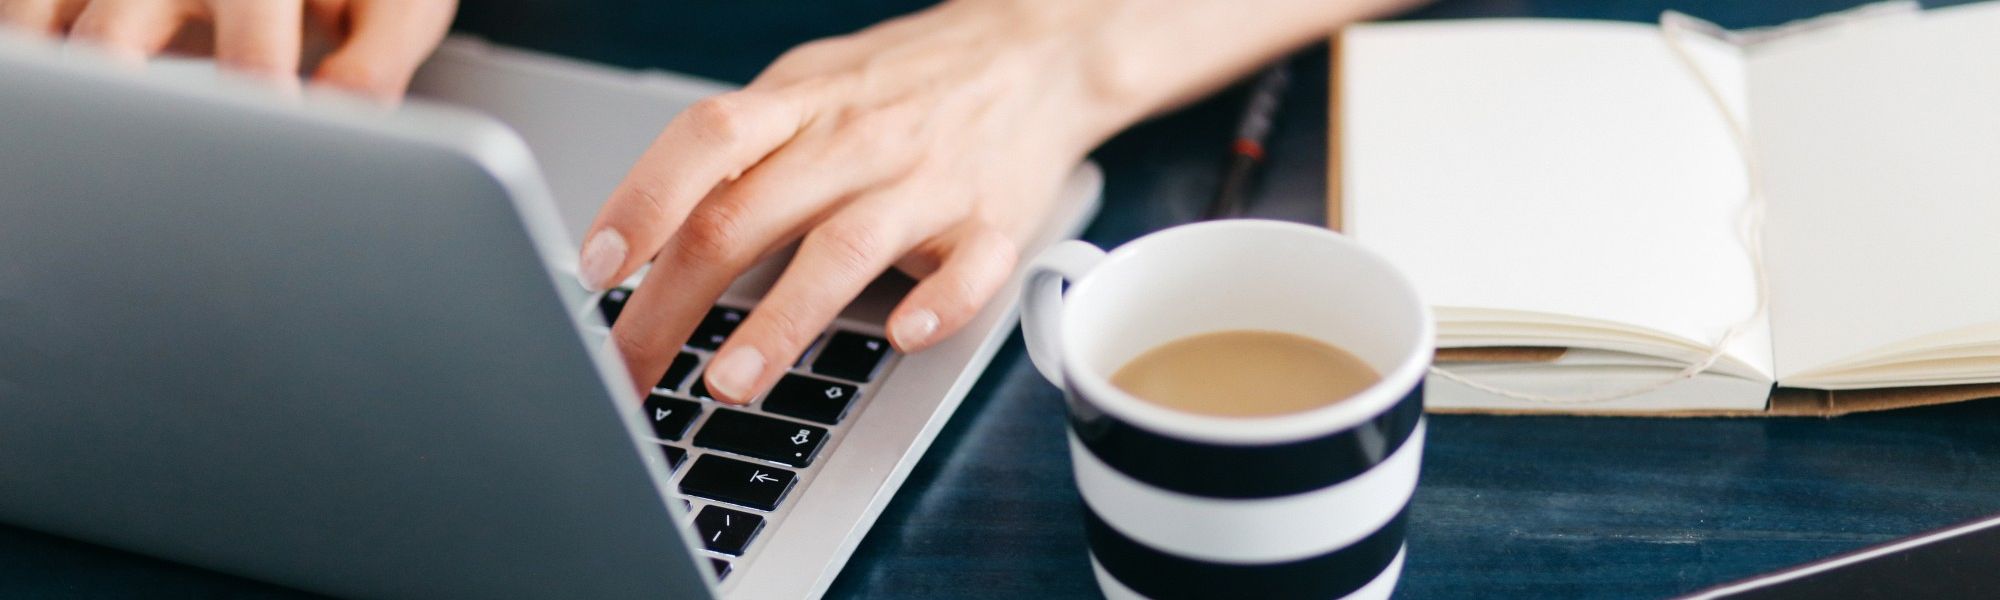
378,43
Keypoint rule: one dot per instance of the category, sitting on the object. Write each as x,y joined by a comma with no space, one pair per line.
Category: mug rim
1097,390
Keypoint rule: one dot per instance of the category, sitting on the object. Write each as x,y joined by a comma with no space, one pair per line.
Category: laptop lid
310,343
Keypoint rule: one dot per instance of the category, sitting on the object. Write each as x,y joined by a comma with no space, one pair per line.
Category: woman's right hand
935,143
378,43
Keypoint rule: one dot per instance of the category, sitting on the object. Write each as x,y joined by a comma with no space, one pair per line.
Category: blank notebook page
1563,167
1881,148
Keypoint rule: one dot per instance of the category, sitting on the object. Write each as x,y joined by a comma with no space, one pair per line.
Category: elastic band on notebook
1751,231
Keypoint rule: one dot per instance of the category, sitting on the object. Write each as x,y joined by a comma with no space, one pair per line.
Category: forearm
1136,58
1155,57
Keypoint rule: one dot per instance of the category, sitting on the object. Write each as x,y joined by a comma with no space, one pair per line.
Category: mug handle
1041,302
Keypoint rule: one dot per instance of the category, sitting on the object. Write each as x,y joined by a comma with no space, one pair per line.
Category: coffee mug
1310,504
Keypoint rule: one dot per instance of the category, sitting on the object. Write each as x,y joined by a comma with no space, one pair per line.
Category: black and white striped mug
1182,505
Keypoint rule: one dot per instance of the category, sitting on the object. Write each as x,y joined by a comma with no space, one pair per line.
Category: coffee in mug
1244,373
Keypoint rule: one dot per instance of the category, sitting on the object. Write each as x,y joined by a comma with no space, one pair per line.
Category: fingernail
734,372
601,257
914,328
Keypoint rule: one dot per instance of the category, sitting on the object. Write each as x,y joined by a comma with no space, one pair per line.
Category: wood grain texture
1508,506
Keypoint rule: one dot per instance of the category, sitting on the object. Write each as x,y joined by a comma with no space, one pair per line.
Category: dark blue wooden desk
1508,507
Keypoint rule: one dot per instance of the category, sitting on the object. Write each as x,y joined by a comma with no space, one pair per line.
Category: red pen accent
1249,148
1246,148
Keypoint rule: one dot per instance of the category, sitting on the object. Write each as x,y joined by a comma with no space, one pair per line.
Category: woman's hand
934,143
380,43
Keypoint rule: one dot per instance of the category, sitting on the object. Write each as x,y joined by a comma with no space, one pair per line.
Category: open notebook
1569,197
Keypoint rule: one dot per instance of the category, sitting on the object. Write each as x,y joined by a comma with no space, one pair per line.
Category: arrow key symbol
811,398
737,482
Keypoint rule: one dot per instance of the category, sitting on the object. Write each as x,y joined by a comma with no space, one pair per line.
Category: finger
387,41
711,141
724,236
835,262
976,266
47,17
130,30
259,37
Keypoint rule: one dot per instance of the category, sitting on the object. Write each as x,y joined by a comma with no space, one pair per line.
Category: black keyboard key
700,390
677,373
721,567
726,531
737,482
851,356
716,327
758,436
675,456
613,303
810,398
670,416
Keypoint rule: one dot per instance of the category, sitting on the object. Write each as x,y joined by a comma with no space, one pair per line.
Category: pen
1246,151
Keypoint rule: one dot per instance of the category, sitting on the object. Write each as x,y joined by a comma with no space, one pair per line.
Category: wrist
1059,49
1126,60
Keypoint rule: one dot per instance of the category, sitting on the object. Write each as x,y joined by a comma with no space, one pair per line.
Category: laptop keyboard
740,464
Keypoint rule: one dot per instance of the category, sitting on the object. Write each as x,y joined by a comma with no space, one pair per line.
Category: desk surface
1508,506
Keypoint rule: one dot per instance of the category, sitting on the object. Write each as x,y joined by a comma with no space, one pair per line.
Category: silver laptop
343,350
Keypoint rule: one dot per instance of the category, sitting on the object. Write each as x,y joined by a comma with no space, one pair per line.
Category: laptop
319,344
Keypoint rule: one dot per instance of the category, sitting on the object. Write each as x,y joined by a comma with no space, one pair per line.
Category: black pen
1246,151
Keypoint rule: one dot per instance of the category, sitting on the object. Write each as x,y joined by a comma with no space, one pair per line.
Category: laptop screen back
309,346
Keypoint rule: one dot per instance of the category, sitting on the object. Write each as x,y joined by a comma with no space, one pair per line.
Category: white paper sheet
1561,167
1881,144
